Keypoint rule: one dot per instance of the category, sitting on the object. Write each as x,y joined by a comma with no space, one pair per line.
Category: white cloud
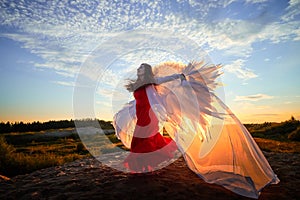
236,67
65,83
266,114
255,97
65,74
64,34
293,10
236,37
279,32
104,103
256,1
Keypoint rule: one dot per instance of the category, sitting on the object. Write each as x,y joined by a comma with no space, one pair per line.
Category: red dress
148,147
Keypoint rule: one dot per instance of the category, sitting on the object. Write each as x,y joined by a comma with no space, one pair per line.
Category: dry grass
278,146
28,155
34,156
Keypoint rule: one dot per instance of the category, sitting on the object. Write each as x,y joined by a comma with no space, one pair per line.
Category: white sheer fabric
214,143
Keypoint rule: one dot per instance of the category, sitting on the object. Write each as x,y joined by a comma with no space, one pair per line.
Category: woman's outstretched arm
164,79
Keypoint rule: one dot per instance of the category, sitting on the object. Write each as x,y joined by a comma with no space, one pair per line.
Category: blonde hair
133,85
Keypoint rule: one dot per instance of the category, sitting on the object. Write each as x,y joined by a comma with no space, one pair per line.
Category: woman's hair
133,85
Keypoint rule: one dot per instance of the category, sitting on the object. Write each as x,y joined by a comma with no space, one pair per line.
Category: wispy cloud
292,10
65,83
237,68
104,103
255,97
266,114
64,34
256,1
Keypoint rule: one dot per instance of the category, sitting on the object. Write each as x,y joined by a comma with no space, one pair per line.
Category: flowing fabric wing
214,143
124,123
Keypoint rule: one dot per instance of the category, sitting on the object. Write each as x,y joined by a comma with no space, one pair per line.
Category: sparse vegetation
26,159
295,135
277,146
24,152
284,131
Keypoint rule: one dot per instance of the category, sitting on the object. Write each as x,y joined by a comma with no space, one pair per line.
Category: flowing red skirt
147,153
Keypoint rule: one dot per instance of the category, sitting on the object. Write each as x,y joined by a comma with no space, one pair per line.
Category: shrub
14,163
80,147
295,135
6,153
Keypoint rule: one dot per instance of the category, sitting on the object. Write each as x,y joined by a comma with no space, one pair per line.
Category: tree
293,118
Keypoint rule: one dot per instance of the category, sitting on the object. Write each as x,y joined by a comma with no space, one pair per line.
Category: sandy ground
90,179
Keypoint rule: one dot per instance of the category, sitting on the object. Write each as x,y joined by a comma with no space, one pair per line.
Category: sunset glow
44,44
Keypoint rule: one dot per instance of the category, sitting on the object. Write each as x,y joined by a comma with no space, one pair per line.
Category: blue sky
45,44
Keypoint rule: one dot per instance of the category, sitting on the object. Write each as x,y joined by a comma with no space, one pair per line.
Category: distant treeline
9,127
284,131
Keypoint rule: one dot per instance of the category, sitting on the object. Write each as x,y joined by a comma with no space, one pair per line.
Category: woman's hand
182,77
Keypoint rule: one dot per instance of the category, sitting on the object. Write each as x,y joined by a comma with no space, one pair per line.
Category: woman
147,137
214,143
